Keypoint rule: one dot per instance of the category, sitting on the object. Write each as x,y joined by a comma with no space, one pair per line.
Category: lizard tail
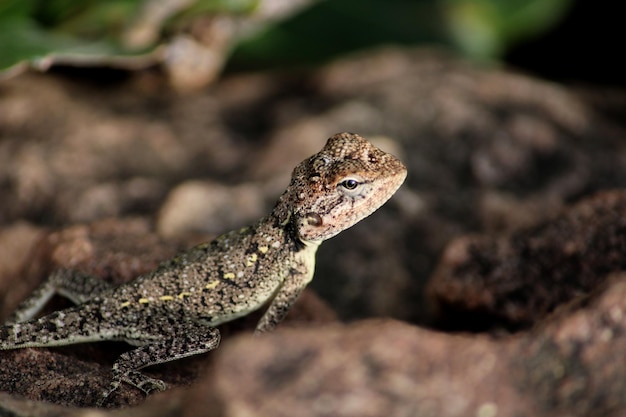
65,327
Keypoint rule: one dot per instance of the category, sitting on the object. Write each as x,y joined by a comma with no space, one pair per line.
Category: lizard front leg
286,296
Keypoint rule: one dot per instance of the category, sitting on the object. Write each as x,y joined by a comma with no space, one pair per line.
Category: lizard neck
283,221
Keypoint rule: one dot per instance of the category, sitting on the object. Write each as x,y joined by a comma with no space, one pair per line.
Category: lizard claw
105,395
144,383
151,386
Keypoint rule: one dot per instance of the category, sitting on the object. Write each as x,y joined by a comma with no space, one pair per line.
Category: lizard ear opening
314,219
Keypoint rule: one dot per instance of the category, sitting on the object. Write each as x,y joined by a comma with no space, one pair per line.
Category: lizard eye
349,183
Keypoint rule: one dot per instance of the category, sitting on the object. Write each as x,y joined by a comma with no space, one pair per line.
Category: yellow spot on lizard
143,301
166,298
212,284
125,304
183,295
263,249
251,260
229,275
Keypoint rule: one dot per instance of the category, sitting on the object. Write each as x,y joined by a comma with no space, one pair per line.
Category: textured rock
16,246
373,368
486,151
209,207
570,366
484,282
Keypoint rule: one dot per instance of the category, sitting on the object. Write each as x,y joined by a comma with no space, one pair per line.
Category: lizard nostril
314,219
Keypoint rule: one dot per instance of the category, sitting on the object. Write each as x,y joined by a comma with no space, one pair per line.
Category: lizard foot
137,379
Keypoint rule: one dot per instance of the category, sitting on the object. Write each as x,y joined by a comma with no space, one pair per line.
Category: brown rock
570,366
483,282
371,368
210,207
16,246
20,407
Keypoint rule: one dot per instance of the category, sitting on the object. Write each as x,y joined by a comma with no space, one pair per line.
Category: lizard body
171,312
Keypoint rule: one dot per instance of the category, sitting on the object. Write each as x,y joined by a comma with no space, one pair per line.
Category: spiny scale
171,312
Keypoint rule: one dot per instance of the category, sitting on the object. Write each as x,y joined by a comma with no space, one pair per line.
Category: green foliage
38,32
480,29
333,27
486,28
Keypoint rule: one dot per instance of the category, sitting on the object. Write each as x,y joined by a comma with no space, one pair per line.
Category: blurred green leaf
223,6
40,31
102,20
11,9
44,31
22,41
331,28
486,28
481,29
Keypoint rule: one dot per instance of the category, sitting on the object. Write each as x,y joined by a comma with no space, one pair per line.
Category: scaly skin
172,312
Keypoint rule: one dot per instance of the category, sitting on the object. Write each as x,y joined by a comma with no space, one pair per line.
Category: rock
16,246
52,376
112,199
19,407
97,152
485,282
371,368
568,364
566,367
208,207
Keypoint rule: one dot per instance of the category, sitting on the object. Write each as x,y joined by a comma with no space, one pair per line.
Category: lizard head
340,185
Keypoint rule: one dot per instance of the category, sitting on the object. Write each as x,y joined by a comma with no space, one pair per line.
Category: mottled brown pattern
170,313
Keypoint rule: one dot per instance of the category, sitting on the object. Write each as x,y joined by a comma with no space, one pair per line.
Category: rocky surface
497,229
516,281
568,366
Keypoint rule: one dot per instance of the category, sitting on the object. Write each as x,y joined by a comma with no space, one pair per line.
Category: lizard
172,312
